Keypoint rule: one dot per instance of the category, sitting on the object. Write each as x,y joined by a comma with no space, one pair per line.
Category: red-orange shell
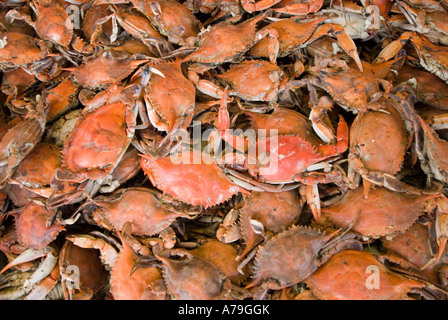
97,141
187,181
384,212
344,277
31,226
139,206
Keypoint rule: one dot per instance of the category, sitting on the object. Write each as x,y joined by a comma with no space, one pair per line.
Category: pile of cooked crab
224,149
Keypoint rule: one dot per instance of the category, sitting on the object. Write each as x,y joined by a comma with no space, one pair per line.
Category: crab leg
435,146
313,199
342,141
26,256
442,232
252,5
205,86
239,143
45,286
375,177
108,253
228,230
44,268
140,107
392,49
253,185
441,226
321,123
311,192
273,44
38,276
301,8
338,31
438,121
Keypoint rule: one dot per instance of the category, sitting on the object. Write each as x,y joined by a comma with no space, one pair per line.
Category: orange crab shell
344,277
53,23
175,14
384,212
290,257
31,226
170,96
9,244
254,80
19,141
37,169
133,46
93,14
415,247
436,150
144,26
92,274
128,166
126,285
187,180
382,139
350,88
216,46
139,206
223,256
16,81
431,89
19,196
97,141
192,278
290,36
276,211
288,156
103,70
61,97
20,49
286,122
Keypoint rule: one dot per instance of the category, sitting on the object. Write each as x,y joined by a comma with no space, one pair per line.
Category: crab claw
237,142
312,197
342,140
344,40
26,256
44,269
393,48
147,261
223,116
441,227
